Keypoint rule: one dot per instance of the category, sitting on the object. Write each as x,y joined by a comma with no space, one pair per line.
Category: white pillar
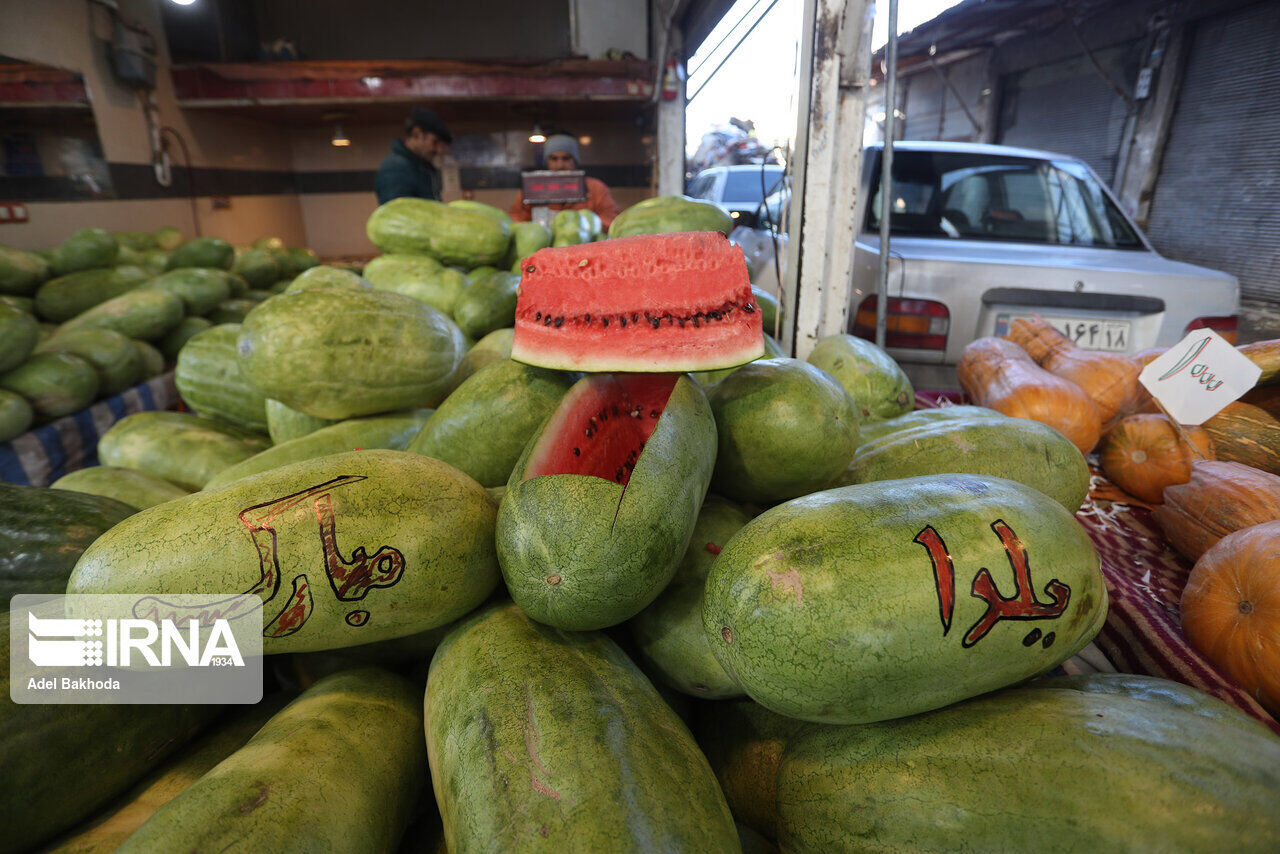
669,168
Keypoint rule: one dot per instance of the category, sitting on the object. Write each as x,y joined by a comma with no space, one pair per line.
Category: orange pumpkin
1143,454
1220,498
1110,379
999,375
1266,355
1231,609
1142,400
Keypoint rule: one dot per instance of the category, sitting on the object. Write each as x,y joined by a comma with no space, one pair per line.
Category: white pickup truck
984,234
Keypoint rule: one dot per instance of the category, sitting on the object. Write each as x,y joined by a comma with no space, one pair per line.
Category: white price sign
1199,376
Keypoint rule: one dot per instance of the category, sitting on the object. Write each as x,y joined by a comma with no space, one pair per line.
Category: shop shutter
1217,199
1068,107
933,111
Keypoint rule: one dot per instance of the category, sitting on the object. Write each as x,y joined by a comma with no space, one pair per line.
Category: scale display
544,187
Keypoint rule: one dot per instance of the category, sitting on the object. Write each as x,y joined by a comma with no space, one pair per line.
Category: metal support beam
834,69
1135,185
669,157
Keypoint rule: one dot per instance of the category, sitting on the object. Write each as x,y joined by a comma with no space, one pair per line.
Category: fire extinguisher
671,80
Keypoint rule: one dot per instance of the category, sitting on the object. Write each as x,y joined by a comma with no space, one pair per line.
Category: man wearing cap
561,154
408,170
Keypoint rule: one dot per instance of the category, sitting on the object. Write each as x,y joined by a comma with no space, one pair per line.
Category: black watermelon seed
653,413
606,321
538,316
529,269
635,318
749,308
623,321
546,321
589,432
615,409
715,315
656,322
577,453
696,324
559,322
587,318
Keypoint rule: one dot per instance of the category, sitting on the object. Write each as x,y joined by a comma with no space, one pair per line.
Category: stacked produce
107,311
645,584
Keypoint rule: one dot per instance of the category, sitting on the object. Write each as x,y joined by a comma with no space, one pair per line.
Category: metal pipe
733,49
886,169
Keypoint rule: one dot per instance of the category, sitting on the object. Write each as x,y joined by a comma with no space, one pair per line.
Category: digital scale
543,187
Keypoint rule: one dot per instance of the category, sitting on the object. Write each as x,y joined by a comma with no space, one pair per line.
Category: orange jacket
599,199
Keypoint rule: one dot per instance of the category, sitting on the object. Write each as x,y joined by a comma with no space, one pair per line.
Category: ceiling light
339,138
182,2
584,140
537,135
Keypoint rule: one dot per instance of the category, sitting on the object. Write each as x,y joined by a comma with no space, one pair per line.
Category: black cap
429,121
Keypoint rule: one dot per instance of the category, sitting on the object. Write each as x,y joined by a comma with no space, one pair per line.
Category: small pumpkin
1219,499
1231,609
1110,379
999,375
1143,454
1142,400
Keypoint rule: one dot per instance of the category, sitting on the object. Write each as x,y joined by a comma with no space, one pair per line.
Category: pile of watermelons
640,589
102,312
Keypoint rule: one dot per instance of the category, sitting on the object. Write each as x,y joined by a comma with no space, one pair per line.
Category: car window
701,186
744,185
998,197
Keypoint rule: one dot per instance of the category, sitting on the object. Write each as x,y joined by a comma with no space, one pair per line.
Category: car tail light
918,324
1225,326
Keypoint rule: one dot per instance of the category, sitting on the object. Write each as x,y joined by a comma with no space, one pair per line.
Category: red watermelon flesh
651,303
601,426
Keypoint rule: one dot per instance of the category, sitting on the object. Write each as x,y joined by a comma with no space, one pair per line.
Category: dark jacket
404,173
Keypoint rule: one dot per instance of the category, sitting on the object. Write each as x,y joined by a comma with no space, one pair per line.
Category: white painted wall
601,24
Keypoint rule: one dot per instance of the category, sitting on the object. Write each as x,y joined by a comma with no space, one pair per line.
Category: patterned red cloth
1145,577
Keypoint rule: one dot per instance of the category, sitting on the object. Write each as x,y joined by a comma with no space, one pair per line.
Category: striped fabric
1144,578
43,455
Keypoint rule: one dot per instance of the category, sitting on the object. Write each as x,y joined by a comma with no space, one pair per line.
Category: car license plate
1109,335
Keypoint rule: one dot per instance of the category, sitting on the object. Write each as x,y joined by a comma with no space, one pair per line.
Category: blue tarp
43,455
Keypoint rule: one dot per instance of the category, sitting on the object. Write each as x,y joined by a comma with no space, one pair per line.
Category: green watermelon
353,739
672,302
303,258
55,384
145,313
231,311
203,252
482,426
526,239
489,304
496,345
820,624
112,355
134,488
21,272
199,288
874,430
480,207
86,249
402,266
547,740
670,214
151,359
785,429
878,386
600,506
284,423
176,446
171,344
167,238
571,227
391,351
138,241
257,267
326,277
26,305
451,235
210,379
19,332
16,415
403,543
438,287
68,296
1010,771
743,741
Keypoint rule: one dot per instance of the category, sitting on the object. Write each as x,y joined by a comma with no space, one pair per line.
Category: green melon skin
384,432
451,235
872,431
211,380
303,258
21,272
43,532
269,243
484,425
200,289
769,310
138,241
68,296
826,608
670,213
409,655
743,741
668,633
16,415
492,347
440,288
284,261
1032,770
526,239
55,384
545,740
167,238
19,332
155,261
23,304
175,446
257,267
339,353
110,828
134,488
580,552
571,228
1027,451
203,252
131,256
399,266
481,207
489,304
785,429
151,359
112,355
772,350
145,314
339,769
62,763
284,423
86,249
424,529
231,311
172,343
878,385
326,277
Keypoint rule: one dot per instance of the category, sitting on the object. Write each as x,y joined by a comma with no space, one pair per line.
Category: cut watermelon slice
651,303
